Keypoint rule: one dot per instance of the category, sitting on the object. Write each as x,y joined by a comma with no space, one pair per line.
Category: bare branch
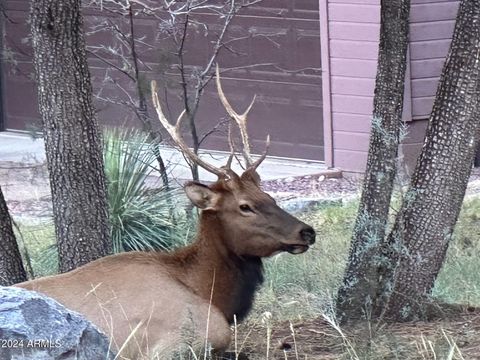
109,63
212,131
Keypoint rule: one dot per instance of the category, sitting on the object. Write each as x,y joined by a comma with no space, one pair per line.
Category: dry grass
322,338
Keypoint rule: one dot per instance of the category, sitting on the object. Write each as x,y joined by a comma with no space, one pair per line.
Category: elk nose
308,234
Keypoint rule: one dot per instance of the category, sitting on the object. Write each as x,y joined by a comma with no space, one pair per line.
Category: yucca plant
143,215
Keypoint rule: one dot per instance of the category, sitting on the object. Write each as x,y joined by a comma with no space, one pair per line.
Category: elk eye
245,208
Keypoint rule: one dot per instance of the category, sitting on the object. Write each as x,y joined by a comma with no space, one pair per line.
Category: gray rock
36,327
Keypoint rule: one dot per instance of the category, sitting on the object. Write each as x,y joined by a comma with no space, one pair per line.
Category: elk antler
241,120
175,133
232,148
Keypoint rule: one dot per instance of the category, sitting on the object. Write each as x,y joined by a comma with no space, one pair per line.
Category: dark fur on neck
236,277
249,280
233,294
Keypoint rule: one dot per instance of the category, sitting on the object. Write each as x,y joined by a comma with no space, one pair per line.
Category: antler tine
232,148
174,132
240,119
257,163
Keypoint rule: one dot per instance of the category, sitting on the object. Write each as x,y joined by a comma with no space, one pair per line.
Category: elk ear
201,196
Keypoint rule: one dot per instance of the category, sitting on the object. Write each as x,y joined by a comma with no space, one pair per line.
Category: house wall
280,36
352,41
431,29
353,28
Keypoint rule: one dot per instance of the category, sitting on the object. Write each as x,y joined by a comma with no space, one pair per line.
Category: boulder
36,327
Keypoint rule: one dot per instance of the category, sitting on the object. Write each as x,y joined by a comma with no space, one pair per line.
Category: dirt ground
26,188
320,339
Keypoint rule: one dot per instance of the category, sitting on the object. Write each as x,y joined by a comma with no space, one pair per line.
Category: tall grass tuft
143,215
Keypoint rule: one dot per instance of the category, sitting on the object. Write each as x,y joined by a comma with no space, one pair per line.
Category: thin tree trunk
360,284
155,136
72,138
11,265
424,226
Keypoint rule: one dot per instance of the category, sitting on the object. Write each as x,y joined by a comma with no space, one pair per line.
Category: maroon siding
19,94
289,103
431,28
353,28
352,40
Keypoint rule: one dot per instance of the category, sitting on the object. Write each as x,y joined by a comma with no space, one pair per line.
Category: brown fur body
150,303
168,294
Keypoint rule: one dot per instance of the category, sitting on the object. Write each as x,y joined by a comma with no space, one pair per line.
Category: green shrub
458,281
143,215
41,250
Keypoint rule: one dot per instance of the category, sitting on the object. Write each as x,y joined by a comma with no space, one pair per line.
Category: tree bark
360,283
72,139
423,229
11,265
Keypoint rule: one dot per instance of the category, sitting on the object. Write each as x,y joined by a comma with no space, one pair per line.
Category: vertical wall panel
353,34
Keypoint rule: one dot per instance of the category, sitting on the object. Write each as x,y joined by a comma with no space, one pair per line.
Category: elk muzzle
307,237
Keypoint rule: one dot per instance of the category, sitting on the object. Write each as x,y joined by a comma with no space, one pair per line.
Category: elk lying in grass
148,302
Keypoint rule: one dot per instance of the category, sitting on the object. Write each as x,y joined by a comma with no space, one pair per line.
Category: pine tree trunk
72,138
360,283
424,226
11,266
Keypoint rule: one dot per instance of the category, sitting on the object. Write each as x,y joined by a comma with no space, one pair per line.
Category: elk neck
208,262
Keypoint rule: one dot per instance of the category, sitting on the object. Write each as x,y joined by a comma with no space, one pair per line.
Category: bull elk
149,302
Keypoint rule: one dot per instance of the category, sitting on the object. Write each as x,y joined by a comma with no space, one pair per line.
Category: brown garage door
288,86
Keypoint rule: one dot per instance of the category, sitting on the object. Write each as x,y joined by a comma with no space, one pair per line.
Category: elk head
249,220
